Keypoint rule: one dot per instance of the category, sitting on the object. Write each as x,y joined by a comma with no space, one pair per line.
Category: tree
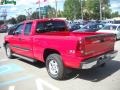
92,8
35,15
115,14
46,11
72,9
60,13
106,9
50,12
21,18
12,20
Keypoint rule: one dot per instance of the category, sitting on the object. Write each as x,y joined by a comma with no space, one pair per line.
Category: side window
19,29
40,26
27,28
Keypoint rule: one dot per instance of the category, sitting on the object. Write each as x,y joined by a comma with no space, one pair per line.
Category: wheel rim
53,67
8,51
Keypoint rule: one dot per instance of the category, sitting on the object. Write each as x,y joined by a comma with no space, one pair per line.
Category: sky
23,5
115,5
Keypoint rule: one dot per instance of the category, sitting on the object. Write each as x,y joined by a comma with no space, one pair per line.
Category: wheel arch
49,51
5,43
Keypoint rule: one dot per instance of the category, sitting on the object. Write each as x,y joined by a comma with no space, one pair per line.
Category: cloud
21,5
13,9
24,2
115,5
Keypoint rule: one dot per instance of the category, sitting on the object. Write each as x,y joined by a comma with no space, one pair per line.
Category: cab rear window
52,25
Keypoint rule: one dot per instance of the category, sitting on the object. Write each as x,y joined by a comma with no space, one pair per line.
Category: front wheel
55,66
8,51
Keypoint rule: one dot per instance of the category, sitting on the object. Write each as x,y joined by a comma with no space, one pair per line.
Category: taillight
80,51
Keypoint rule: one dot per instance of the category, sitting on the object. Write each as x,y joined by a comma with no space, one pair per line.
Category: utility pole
38,2
56,8
39,12
81,4
74,12
100,10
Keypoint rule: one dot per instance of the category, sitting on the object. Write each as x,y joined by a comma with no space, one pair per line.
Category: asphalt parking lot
17,74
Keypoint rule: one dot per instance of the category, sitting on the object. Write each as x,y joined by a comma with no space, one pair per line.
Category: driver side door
15,40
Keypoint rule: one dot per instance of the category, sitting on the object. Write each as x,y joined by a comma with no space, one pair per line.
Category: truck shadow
99,73
94,75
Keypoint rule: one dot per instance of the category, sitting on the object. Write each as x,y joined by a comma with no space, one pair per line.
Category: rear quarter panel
65,45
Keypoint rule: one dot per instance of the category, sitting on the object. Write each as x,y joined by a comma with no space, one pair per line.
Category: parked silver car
111,28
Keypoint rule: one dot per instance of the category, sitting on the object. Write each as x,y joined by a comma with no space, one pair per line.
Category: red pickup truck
49,41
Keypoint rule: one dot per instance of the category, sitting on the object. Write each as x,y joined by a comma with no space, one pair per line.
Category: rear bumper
94,62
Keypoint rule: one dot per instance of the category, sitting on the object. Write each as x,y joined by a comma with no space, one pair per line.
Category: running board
25,58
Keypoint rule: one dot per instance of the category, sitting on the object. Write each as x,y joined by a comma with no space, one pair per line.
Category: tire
55,67
8,51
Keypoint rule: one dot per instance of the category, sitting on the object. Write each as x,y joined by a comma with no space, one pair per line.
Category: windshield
51,26
109,27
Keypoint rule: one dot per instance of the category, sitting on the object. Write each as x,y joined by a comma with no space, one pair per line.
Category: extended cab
49,41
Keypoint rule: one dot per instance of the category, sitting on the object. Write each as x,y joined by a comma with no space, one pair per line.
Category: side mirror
16,33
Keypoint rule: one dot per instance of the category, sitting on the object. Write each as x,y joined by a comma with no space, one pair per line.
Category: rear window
52,26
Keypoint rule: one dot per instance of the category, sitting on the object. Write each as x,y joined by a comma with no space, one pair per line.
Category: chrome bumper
94,62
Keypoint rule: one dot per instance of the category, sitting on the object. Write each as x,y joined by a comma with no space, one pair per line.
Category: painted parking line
11,88
10,68
2,84
40,83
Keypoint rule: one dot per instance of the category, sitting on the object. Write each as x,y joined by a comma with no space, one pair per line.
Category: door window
19,29
27,29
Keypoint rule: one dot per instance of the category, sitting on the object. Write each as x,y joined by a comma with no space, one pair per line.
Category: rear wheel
55,66
8,51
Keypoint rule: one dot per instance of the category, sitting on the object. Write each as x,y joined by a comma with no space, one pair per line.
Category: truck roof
45,19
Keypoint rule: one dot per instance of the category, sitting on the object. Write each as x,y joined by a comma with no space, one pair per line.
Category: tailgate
99,44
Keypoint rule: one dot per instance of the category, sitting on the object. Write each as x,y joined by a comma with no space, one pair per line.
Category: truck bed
93,43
